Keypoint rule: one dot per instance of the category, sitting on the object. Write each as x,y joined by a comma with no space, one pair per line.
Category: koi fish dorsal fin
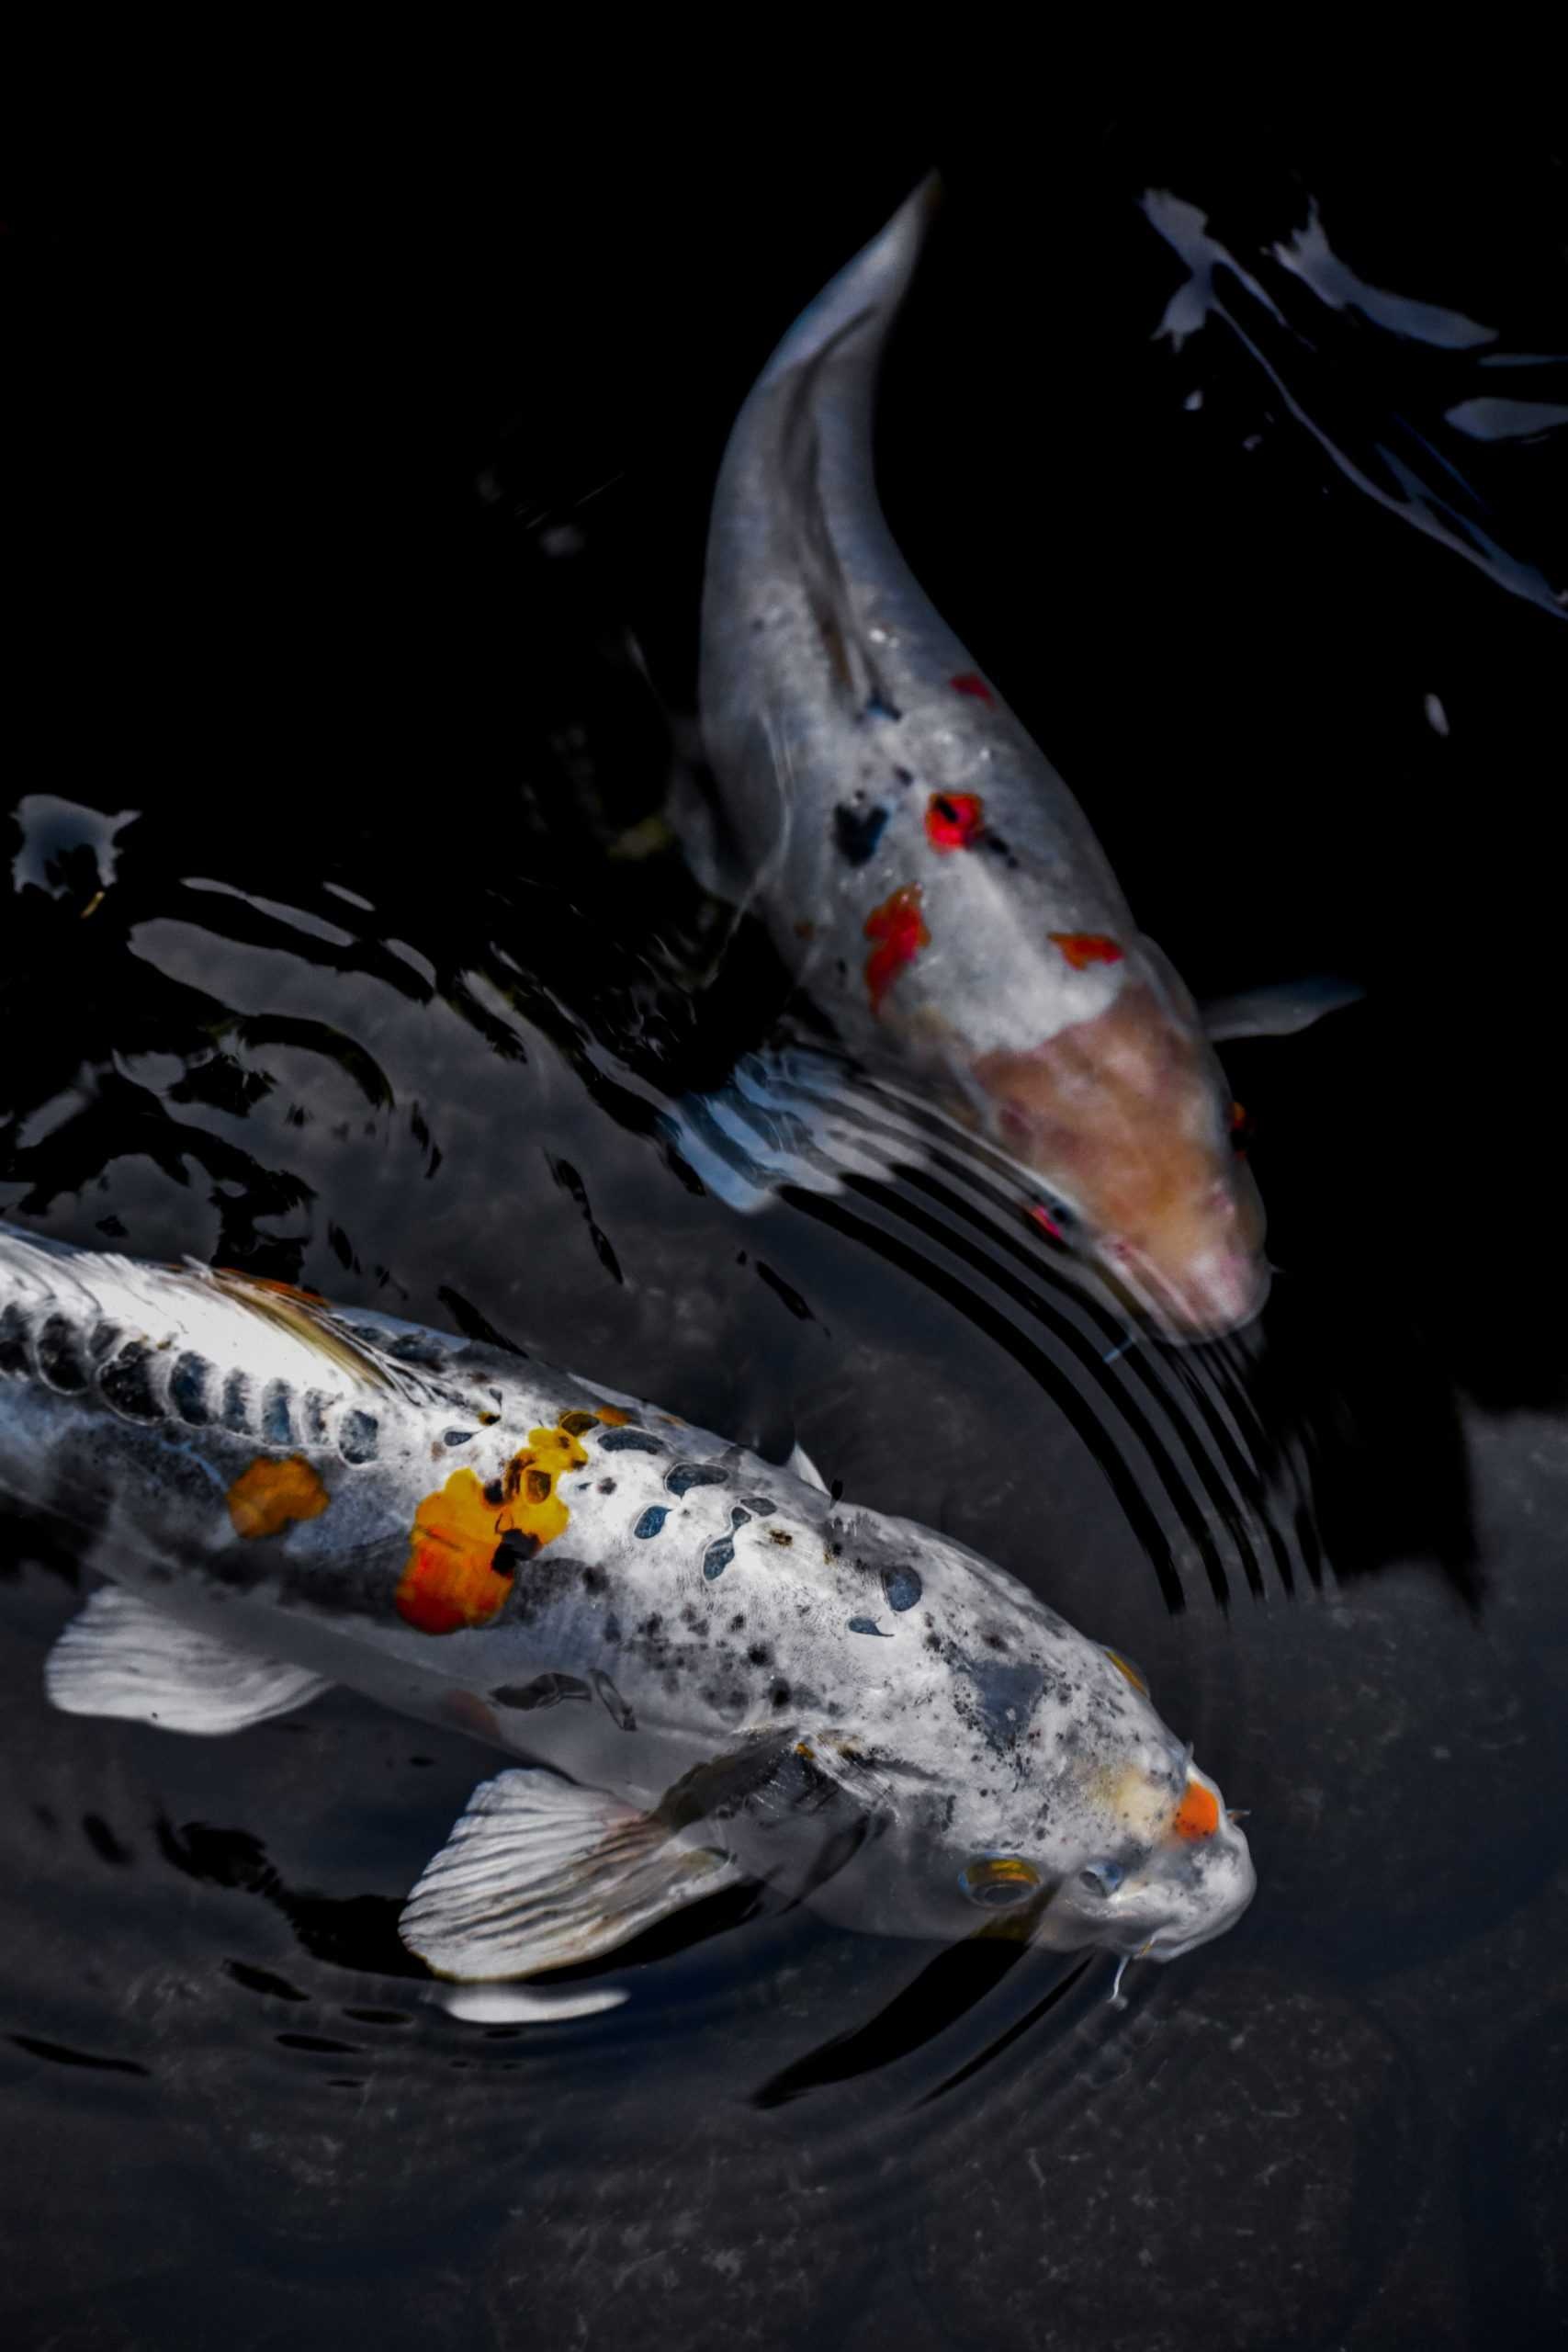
309,1320
539,1873
122,1657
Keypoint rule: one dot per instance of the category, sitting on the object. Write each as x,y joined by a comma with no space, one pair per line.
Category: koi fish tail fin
875,280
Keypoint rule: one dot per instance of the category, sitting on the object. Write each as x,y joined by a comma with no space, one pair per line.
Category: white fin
122,1657
510,2004
539,1873
1279,1010
801,1465
789,1116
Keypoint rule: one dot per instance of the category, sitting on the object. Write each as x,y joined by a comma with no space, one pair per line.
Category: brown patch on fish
1122,1113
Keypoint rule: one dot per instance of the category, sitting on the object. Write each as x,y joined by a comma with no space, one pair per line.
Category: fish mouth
1220,1294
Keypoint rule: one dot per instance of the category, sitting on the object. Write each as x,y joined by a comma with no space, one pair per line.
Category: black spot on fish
495,1493
234,1412
411,1347
904,775
999,848
868,1625
758,1654
594,1581
717,1556
13,1340
125,1385
60,1360
739,1518
359,1436
759,1504
575,1423
106,1337
544,1690
687,1474
615,1707
187,1389
878,706
515,1549
276,1428
456,1437
738,1623
314,1416
901,1587
652,1519
779,1695
607,1486
858,831
631,1441
780,1535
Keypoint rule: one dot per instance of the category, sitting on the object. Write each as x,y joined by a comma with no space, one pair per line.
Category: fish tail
875,280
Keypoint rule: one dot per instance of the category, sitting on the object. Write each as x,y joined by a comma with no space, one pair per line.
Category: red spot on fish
1198,1815
1046,1222
899,927
954,820
1082,948
970,682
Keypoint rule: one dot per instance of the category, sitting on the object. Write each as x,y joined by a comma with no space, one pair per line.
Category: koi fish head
1123,1118
1101,1829
1176,1871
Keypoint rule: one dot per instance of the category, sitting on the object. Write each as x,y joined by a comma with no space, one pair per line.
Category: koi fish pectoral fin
786,1117
123,1656
1278,1011
539,1873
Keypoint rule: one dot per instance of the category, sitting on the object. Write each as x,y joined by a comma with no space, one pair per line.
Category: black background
340,492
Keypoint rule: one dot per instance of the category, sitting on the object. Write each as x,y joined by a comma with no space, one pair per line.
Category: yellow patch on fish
469,1539
266,1497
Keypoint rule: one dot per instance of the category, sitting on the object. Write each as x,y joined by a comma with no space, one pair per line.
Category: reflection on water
411,1047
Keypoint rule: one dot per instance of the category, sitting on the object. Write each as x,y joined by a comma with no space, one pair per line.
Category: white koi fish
924,869
708,1669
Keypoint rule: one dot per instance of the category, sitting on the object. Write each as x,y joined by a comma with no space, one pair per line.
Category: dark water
360,556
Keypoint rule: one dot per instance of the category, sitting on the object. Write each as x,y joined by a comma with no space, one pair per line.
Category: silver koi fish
709,1669
922,866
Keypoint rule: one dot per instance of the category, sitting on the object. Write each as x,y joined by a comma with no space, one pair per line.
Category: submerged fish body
707,1668
920,862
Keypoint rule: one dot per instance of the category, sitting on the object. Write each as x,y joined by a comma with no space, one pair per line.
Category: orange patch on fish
614,1417
266,1282
1198,1815
899,927
1083,948
954,820
264,1498
469,1540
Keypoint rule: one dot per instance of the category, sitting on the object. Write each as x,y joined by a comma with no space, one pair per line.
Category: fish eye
1101,1878
1056,1217
996,1881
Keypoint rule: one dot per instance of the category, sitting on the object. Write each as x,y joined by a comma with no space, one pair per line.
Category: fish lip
1182,1330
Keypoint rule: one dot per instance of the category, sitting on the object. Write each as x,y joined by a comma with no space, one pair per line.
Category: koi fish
704,1667
923,868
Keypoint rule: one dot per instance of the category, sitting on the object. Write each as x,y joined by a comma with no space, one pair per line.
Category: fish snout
1209,1882
1218,1289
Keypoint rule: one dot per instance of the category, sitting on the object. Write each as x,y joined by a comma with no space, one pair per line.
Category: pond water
361,576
